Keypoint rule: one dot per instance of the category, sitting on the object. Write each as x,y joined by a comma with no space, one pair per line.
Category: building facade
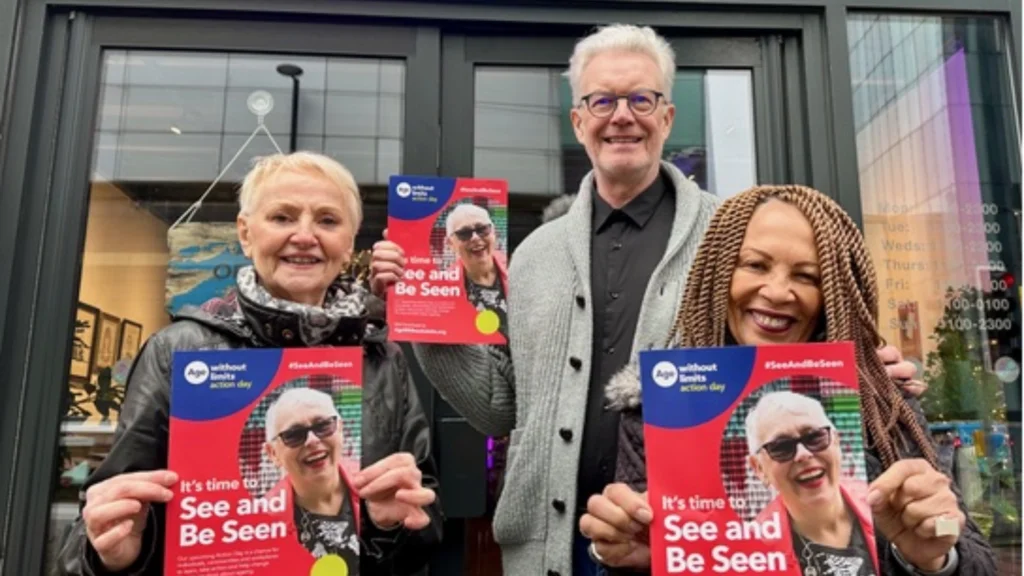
126,125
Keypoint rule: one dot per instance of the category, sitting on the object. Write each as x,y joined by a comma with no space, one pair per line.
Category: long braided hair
850,294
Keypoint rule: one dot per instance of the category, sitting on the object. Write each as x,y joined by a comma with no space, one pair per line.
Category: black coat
393,421
623,393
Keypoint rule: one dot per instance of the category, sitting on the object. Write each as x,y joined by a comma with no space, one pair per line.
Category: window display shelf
86,428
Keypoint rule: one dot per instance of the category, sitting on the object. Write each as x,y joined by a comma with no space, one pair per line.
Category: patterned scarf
344,299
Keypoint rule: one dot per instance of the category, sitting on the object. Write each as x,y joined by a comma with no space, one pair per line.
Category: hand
387,264
116,511
393,493
901,371
907,499
617,521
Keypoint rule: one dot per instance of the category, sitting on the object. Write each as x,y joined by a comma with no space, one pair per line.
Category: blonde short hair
309,163
629,38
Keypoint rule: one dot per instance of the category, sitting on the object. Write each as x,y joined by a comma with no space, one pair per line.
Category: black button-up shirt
625,247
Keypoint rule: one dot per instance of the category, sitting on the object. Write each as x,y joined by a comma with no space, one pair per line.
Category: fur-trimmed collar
558,207
623,389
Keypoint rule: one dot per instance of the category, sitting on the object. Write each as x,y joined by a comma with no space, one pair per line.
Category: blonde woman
298,217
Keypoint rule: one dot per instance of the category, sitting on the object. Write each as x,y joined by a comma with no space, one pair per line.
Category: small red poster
454,234
264,443
750,450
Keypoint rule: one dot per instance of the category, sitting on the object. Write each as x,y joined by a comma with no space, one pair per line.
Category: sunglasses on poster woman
466,233
784,449
296,435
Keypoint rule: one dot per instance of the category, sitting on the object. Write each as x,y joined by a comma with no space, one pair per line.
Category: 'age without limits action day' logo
665,374
197,372
403,189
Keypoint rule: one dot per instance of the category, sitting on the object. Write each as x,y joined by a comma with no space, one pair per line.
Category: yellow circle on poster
330,565
487,322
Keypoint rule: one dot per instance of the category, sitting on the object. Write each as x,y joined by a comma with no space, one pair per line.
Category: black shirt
625,248
323,535
854,560
490,298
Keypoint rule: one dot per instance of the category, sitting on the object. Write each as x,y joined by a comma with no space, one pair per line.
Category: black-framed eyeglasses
466,232
784,449
296,435
640,102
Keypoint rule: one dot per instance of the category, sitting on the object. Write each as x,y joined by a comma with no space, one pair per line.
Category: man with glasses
587,291
472,239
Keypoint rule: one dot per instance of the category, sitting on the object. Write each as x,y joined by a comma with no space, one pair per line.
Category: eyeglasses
466,232
640,102
784,449
296,435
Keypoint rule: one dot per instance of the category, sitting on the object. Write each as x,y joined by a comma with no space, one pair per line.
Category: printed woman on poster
795,449
473,239
305,441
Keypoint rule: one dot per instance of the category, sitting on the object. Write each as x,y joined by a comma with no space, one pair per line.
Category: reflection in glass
941,198
178,117
168,124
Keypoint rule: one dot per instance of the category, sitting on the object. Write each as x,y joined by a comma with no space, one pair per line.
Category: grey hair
293,398
627,37
465,210
773,404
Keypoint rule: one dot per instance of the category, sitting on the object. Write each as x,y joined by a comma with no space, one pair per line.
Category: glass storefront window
939,164
169,124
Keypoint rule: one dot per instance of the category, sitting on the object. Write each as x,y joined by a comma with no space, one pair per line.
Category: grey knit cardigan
540,396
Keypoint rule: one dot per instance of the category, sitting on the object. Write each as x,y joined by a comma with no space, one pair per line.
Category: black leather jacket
393,421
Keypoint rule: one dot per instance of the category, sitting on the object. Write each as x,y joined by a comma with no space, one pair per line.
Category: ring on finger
946,526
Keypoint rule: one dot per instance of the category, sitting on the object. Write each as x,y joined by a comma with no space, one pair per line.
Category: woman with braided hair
786,264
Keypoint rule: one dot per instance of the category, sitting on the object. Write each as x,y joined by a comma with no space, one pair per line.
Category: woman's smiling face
775,294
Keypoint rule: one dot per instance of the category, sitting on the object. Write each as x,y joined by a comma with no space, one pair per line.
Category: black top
324,535
625,248
854,560
490,298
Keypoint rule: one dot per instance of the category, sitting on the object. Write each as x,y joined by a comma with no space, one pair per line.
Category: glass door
166,118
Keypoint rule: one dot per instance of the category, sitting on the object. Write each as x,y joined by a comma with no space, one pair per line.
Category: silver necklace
808,556
306,534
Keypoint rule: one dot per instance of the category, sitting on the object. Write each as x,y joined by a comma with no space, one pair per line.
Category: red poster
265,442
775,433
454,234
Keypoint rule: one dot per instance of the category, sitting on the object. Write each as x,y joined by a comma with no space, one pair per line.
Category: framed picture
83,342
131,339
107,339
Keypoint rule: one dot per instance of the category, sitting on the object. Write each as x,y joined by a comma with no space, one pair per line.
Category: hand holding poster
777,430
264,442
455,286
